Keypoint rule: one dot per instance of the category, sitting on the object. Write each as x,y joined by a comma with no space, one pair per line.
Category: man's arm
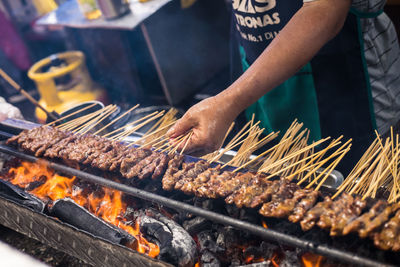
309,29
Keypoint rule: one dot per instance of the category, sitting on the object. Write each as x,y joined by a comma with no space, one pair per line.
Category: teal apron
294,99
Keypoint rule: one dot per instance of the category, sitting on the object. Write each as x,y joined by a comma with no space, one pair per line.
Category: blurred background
152,52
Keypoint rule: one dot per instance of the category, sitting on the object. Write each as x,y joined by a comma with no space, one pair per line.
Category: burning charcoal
16,194
176,245
196,225
227,239
259,264
204,203
233,211
70,212
268,249
253,252
208,259
290,259
249,215
42,179
206,241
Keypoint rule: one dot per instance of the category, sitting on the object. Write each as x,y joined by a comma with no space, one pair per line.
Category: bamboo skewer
215,153
69,126
97,120
173,150
310,165
171,146
168,118
305,159
380,142
187,142
233,145
351,178
84,118
26,94
218,154
286,146
93,120
376,183
322,162
234,142
131,124
69,115
117,119
329,169
256,158
153,133
135,128
244,151
376,170
280,162
271,136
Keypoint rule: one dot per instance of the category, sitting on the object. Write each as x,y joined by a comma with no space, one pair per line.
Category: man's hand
209,120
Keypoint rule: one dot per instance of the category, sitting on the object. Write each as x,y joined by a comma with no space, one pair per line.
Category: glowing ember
275,259
108,205
311,260
264,224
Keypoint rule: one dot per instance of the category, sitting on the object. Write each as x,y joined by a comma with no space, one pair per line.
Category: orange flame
275,259
264,224
311,260
109,206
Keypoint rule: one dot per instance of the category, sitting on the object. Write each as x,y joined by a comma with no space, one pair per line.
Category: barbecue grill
97,250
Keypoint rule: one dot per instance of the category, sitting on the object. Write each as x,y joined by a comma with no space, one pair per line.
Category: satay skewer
256,158
74,124
125,133
69,115
380,142
378,180
94,120
234,144
279,162
322,162
351,178
153,133
333,144
168,118
219,155
117,119
77,121
329,169
255,146
131,124
186,143
176,140
98,120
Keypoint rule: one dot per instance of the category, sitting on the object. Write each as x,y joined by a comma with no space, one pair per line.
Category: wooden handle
22,91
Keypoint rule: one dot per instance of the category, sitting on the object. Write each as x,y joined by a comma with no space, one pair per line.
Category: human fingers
181,127
3,116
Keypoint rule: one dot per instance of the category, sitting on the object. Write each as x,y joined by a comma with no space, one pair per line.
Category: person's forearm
309,29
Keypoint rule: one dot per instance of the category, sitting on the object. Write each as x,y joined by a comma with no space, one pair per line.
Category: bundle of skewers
285,184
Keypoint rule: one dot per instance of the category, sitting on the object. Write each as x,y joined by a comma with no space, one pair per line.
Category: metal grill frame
267,234
66,238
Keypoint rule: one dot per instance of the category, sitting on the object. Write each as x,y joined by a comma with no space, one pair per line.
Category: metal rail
262,232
